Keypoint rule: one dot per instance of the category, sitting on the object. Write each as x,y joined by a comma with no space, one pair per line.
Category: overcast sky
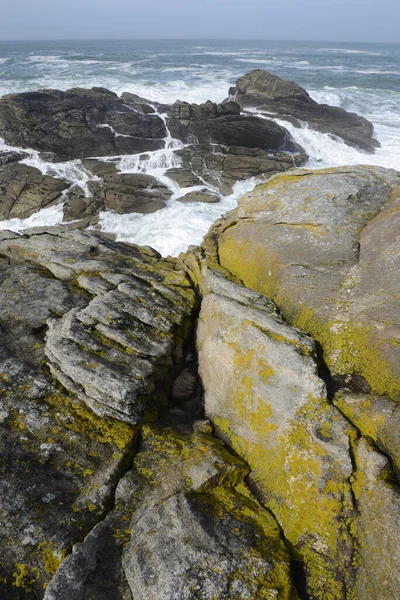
333,20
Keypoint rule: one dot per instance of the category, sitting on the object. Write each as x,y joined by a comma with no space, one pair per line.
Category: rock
124,345
78,123
224,124
133,192
199,196
60,462
24,191
323,246
185,508
223,166
7,157
286,99
120,192
78,205
263,393
377,418
377,526
183,177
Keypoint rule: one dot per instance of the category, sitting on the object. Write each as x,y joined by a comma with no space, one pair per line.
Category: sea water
362,78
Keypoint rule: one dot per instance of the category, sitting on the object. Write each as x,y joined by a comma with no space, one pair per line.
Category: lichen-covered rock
184,526
85,322
377,526
324,246
377,418
124,344
263,393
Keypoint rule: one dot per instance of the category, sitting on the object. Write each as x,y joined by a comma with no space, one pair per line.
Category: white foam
3,60
350,51
46,217
174,228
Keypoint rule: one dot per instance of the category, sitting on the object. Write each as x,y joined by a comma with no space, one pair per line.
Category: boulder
78,123
287,100
323,245
24,191
263,393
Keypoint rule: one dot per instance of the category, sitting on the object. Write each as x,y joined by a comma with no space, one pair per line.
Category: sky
333,20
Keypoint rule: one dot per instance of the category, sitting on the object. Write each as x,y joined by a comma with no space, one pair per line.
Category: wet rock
224,124
78,123
7,157
133,192
183,177
24,191
286,99
222,166
199,196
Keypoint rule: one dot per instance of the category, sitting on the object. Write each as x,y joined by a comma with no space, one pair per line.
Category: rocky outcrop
224,124
323,246
122,344
263,393
24,190
262,90
309,241
78,123
222,166
184,526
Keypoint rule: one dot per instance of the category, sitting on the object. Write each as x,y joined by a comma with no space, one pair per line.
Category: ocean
362,78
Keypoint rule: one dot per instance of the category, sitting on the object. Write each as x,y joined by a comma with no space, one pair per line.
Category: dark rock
224,124
286,99
78,123
79,206
24,190
7,157
131,192
223,166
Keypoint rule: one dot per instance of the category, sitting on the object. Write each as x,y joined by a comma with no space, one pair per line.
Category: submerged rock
262,90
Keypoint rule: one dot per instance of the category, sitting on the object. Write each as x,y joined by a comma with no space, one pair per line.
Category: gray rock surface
324,246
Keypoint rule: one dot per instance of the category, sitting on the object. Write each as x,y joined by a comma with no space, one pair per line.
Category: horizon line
183,39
